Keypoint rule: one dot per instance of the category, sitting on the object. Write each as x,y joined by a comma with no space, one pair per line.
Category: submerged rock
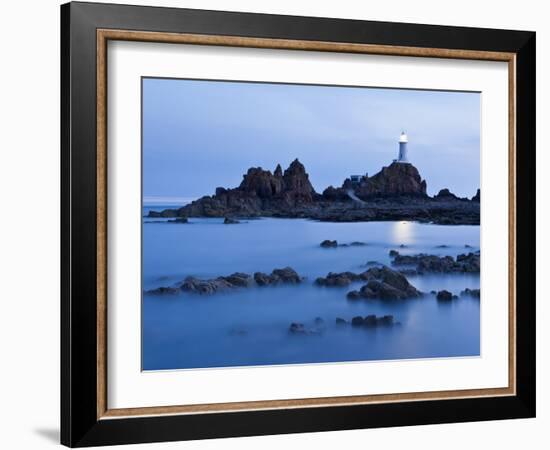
277,276
301,328
329,244
475,293
373,321
226,283
164,291
179,220
229,221
464,263
386,284
339,279
297,328
444,295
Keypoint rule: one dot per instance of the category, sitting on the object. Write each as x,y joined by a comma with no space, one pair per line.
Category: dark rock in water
263,279
444,295
433,292
165,213
338,279
179,220
386,284
475,293
164,291
206,287
467,246
285,275
239,279
477,197
385,320
335,244
370,321
442,246
340,321
465,263
233,281
402,246
394,253
300,328
229,221
297,328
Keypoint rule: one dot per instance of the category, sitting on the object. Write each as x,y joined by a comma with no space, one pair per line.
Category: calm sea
250,326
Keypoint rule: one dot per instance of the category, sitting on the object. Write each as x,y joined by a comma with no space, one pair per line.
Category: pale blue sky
198,135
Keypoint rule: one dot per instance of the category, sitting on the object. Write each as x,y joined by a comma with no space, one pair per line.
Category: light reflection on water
250,327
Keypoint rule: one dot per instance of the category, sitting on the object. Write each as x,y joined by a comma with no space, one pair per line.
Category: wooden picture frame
86,418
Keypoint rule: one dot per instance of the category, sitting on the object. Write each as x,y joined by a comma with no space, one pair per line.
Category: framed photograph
277,224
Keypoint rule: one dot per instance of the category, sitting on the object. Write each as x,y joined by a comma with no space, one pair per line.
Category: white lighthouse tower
403,148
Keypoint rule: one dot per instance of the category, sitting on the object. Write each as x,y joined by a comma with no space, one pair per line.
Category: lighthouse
403,148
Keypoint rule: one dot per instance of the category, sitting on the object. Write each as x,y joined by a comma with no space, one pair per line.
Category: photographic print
301,224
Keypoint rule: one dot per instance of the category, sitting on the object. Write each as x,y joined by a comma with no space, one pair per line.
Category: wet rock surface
236,280
444,295
373,321
475,293
382,283
424,263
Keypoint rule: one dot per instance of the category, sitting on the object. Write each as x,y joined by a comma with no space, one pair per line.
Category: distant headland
396,192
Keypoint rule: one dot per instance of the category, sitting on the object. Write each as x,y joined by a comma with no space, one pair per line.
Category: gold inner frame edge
103,36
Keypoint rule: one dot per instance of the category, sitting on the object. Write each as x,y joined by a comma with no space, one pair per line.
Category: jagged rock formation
477,197
395,180
397,192
259,191
286,275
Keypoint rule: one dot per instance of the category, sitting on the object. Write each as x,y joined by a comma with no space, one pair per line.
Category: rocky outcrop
475,293
327,243
373,321
259,191
236,280
464,263
444,296
317,328
477,197
230,221
385,284
341,279
397,192
287,275
397,179
445,194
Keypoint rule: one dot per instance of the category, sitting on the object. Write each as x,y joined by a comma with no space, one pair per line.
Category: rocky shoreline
395,193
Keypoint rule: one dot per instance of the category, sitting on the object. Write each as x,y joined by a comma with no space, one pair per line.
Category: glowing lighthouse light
403,148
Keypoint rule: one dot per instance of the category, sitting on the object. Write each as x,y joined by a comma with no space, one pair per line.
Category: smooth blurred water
250,326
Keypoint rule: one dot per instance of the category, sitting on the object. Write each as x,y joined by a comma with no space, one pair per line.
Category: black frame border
79,424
